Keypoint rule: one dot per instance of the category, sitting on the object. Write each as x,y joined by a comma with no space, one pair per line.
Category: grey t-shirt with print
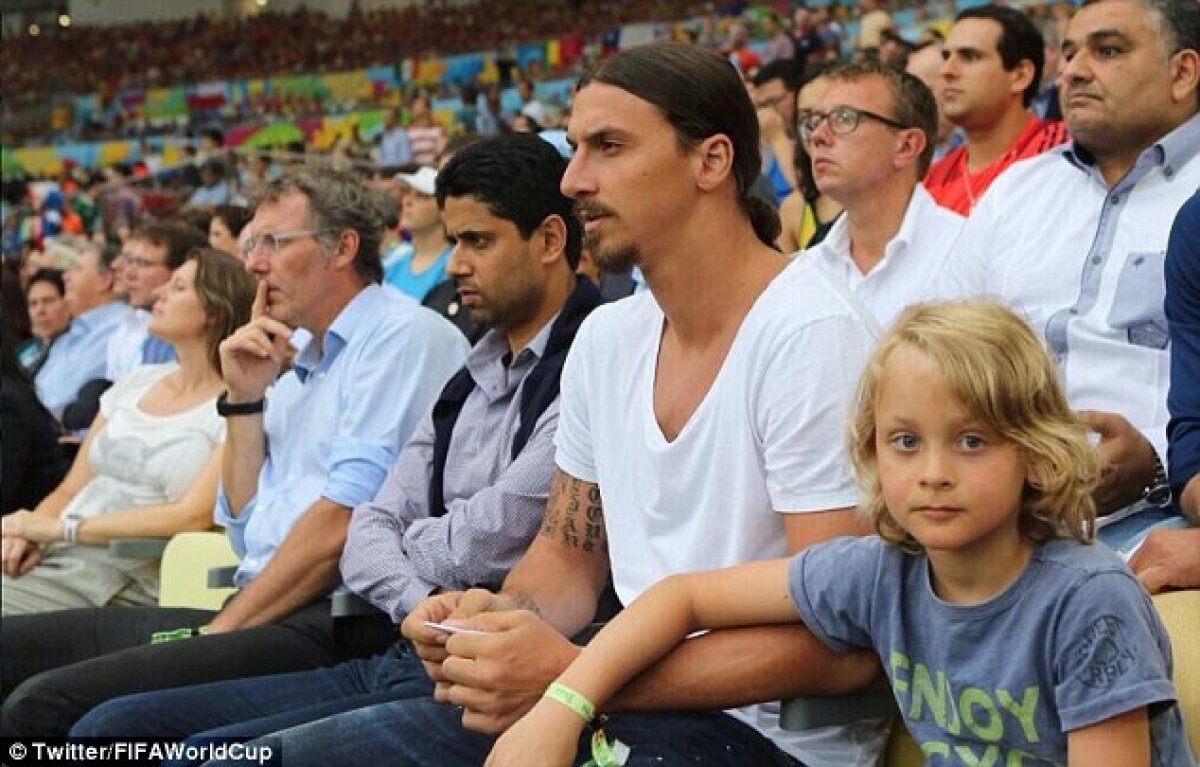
1073,641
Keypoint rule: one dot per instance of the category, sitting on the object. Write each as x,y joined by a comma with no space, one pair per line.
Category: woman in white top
150,464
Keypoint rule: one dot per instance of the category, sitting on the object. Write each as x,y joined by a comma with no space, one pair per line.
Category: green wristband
575,701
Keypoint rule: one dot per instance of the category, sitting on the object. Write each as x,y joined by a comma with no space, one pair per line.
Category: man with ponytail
700,426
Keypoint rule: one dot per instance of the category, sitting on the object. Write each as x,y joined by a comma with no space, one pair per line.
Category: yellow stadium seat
184,573
1180,613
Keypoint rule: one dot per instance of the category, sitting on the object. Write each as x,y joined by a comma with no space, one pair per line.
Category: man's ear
910,143
714,161
345,249
1185,74
1022,75
551,239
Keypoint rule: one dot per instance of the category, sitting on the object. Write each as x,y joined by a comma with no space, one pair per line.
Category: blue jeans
244,709
420,732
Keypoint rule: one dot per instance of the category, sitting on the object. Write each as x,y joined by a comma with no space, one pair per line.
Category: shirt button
1074,310
1168,171
1096,259
1115,199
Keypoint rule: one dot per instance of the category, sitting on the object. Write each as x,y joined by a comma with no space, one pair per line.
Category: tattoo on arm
575,515
522,601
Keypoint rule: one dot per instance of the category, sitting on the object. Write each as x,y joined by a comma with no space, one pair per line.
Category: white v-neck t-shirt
767,439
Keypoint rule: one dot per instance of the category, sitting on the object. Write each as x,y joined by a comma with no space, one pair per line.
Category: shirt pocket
1137,307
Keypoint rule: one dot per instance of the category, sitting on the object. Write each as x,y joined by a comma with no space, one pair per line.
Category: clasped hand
497,676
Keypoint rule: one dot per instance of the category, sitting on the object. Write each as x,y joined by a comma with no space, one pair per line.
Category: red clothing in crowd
949,182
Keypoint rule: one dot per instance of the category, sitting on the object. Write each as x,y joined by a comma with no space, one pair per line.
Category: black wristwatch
1158,492
225,408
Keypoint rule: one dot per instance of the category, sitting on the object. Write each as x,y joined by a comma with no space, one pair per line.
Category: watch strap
225,408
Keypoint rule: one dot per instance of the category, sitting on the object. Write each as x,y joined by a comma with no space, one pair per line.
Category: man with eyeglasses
871,137
303,448
151,254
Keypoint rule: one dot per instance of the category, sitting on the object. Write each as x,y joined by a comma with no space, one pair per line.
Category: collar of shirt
486,365
1172,152
83,323
836,246
349,321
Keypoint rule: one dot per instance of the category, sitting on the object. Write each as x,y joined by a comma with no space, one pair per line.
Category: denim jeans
243,709
420,732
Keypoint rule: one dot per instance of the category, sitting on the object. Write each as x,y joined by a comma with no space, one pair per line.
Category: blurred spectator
806,215
871,25
807,39
214,188
394,145
774,96
225,227
414,268
16,313
424,135
737,49
32,463
830,29
80,354
1045,103
48,314
778,44
894,49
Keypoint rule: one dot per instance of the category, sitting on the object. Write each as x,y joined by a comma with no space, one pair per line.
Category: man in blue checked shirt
303,449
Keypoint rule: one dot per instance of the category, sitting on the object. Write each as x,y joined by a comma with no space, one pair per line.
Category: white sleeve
573,442
803,407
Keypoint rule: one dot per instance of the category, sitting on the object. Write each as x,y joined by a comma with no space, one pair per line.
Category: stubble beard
616,260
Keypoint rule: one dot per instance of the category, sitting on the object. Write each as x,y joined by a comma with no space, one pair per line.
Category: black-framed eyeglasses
271,242
842,120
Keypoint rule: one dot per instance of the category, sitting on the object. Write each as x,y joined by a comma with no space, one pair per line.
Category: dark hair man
991,73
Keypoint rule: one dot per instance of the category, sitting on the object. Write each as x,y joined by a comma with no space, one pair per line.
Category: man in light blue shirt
80,354
302,449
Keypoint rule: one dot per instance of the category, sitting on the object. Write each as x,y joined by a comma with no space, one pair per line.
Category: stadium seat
184,573
1180,613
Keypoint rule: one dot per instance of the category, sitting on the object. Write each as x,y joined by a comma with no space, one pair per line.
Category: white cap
423,181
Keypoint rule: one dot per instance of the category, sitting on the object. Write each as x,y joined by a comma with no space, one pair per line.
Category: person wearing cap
420,264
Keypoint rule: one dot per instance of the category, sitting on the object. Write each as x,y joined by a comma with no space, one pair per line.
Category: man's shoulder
804,295
391,312
633,314
1039,186
929,215
1041,170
